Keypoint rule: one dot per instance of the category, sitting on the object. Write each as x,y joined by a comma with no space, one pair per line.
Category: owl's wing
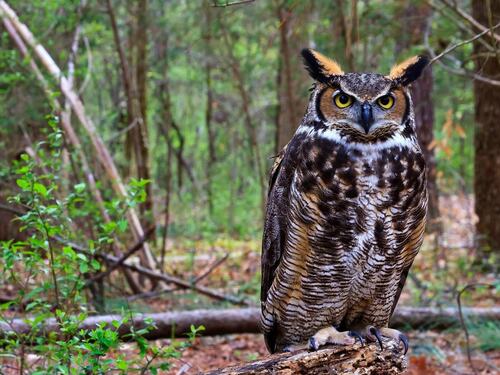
416,236
275,224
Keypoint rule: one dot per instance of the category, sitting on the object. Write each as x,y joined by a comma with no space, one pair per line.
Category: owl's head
367,106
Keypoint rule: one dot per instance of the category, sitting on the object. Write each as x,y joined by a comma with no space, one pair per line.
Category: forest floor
442,268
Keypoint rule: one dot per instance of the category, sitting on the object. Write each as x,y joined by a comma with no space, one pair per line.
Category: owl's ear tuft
320,67
409,70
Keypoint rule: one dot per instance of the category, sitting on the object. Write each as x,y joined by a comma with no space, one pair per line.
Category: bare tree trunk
142,158
348,27
134,84
487,134
209,103
421,93
291,78
164,127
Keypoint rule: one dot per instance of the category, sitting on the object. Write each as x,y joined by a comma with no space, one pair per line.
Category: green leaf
23,184
84,267
40,189
80,188
69,252
122,364
122,225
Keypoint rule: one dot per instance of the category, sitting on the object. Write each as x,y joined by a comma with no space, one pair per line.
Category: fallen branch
156,275
69,132
355,359
203,275
124,257
245,320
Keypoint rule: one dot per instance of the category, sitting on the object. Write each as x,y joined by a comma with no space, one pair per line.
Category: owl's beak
366,118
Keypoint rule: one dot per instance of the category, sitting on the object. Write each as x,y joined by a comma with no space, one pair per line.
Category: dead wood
356,359
166,325
160,276
246,320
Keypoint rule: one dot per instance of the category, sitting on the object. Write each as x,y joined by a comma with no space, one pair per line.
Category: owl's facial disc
370,114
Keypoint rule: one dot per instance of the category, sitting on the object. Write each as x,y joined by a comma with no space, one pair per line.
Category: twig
462,321
458,23
211,268
468,18
461,72
124,257
228,4
199,278
120,132
8,208
156,275
455,46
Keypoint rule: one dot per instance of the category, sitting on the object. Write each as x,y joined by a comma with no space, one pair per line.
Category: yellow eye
342,100
386,101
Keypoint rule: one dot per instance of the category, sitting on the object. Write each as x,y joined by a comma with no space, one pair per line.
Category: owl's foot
373,334
330,335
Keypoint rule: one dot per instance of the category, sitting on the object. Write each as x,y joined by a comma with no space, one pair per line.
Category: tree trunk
487,134
421,93
141,67
134,80
207,37
415,18
291,77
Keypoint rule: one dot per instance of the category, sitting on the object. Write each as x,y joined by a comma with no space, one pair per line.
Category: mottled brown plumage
346,210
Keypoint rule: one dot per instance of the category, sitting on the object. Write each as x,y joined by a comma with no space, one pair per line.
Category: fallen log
355,359
244,320
165,325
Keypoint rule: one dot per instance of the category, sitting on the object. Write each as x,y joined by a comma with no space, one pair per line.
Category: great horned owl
346,210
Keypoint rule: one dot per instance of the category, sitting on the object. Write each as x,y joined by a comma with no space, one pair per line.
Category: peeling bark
356,359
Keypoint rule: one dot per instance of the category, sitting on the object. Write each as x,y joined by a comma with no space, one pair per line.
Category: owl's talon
404,340
357,336
313,344
397,336
376,333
